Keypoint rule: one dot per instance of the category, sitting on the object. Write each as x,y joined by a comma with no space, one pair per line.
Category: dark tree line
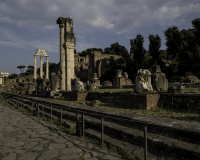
182,53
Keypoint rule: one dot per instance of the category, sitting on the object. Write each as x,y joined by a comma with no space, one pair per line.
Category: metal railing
38,108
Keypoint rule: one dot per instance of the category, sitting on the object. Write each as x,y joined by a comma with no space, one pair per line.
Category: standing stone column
67,44
41,68
3,81
69,65
47,67
60,21
35,68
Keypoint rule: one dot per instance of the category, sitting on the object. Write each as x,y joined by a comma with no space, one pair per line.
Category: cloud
84,45
113,15
11,39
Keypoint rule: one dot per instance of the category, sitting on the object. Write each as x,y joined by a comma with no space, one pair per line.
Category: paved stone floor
27,138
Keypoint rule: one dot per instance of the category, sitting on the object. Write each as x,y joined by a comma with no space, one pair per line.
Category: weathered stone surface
69,144
118,73
70,150
56,146
28,156
30,145
92,158
191,79
86,155
111,156
77,85
159,80
49,155
96,103
70,157
55,81
107,83
174,89
143,81
5,151
92,87
37,148
10,156
40,84
14,144
60,140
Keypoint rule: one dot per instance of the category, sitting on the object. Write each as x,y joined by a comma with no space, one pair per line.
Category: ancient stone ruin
121,79
41,53
67,45
143,81
77,85
159,80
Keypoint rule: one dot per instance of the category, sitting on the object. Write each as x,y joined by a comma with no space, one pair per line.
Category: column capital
60,21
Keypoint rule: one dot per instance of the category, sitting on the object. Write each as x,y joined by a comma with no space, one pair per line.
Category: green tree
13,76
196,44
21,67
154,46
29,70
138,51
174,43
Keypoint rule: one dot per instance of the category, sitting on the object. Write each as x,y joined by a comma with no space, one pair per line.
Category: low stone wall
127,100
74,96
180,100
187,85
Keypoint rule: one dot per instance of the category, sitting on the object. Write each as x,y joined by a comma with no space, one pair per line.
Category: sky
26,25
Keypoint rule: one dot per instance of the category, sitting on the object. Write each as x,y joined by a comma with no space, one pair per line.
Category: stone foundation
74,96
180,100
128,101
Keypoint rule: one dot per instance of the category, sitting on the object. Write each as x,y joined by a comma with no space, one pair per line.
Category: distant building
3,77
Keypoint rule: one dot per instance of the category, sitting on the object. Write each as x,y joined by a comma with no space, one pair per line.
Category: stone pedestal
40,85
107,84
118,82
96,81
159,80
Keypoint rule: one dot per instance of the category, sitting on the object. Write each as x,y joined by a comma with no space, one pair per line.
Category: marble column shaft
35,68
62,58
47,67
41,67
69,65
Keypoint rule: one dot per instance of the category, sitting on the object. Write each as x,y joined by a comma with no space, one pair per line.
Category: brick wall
127,100
180,100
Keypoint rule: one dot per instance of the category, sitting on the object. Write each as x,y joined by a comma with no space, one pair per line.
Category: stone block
128,82
143,81
97,82
159,80
107,83
118,82
156,69
92,87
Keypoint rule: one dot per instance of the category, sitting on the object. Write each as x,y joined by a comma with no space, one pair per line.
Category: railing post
145,142
38,109
102,130
83,125
51,113
61,117
42,110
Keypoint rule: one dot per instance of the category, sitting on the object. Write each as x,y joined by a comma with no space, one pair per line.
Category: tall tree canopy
138,51
21,67
154,46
